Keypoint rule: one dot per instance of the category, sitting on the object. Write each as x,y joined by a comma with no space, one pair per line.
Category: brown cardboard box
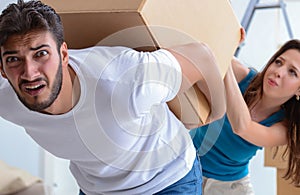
284,187
151,24
273,157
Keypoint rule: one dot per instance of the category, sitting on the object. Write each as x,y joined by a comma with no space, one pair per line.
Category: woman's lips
272,82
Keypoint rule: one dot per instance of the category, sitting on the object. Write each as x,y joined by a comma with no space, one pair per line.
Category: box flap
122,29
69,6
183,110
198,20
199,103
186,107
275,161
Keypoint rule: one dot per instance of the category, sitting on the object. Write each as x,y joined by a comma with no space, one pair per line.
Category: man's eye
41,53
12,59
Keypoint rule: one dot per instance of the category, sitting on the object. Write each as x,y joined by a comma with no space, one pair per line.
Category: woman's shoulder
240,70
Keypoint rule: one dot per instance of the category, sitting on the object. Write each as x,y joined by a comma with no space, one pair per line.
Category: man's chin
36,106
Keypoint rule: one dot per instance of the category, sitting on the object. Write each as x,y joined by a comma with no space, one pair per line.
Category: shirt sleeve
157,78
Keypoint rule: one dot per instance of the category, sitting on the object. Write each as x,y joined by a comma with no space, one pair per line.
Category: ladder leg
249,14
247,19
288,26
252,6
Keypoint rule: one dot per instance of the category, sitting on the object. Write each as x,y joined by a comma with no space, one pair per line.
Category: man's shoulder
99,50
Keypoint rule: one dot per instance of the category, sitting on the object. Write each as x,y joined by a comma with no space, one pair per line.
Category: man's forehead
32,39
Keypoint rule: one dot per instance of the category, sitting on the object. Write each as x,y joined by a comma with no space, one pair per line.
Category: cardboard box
273,157
284,187
152,24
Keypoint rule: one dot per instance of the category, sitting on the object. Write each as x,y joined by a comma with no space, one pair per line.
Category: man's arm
199,67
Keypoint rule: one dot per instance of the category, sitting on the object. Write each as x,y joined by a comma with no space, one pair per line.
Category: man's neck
69,94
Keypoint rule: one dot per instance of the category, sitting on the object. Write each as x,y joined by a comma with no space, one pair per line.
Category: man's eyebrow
39,47
32,48
9,52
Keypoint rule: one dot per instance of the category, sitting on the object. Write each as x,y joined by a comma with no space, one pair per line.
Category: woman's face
282,78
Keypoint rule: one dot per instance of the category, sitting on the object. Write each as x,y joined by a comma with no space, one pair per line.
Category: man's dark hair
23,17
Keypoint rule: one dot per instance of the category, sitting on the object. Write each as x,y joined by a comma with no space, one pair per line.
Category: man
103,108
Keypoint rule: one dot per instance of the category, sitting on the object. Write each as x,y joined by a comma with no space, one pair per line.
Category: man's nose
30,71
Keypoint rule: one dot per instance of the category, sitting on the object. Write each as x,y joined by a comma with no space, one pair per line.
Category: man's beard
40,107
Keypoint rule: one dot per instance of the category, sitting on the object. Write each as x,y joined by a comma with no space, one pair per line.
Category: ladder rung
267,5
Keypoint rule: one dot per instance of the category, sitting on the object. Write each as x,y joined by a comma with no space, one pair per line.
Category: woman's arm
239,115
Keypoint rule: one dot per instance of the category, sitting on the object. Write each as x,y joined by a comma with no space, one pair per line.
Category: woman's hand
243,35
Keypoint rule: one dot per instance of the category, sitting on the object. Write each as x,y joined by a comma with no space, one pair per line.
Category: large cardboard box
274,157
284,187
152,24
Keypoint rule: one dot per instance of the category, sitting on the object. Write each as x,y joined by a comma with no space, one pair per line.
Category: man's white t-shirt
120,137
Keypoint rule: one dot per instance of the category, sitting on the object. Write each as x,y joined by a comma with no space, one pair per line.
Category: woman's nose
279,72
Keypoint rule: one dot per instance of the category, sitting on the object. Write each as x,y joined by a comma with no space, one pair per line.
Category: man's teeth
33,87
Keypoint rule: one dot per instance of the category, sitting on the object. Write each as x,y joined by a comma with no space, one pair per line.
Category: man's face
32,65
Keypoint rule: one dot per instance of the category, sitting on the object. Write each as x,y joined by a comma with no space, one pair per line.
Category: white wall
18,149
266,32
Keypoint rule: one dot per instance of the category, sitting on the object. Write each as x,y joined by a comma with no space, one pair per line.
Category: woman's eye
278,62
293,72
41,53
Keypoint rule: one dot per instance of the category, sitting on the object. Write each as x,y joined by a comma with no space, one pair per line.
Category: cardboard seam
95,11
199,117
156,44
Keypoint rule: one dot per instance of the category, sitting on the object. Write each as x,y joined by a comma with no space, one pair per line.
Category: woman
267,114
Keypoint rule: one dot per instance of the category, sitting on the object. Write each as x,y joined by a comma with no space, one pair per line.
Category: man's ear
64,54
2,71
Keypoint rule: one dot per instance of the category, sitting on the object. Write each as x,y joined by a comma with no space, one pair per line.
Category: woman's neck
263,108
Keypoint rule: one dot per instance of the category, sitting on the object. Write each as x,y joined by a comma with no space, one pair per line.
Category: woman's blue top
224,155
